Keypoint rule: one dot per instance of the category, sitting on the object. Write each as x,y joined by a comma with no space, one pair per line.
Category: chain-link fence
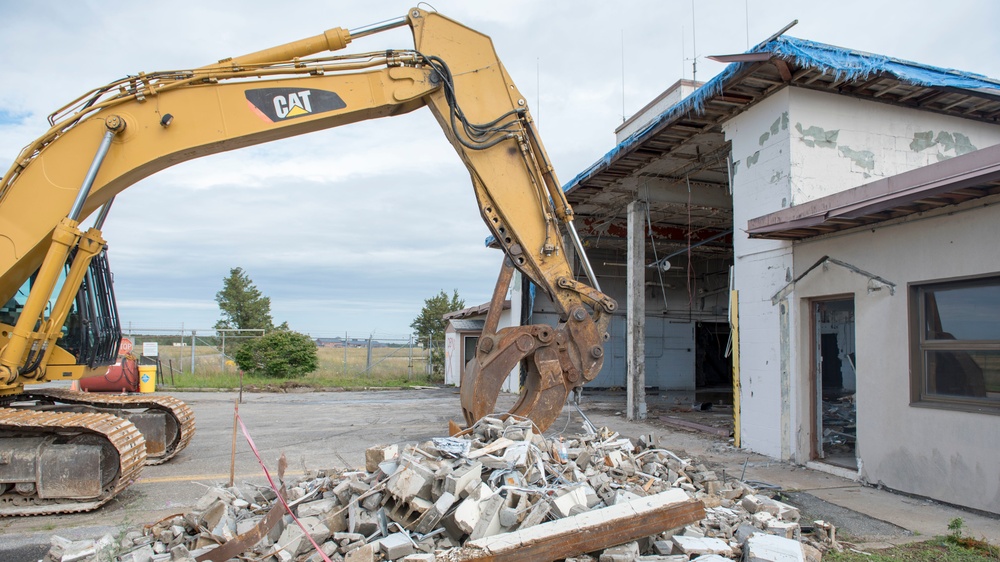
209,351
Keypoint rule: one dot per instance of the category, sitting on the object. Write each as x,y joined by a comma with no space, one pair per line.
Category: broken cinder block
378,454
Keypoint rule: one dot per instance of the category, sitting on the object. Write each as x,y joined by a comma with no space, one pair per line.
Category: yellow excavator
62,451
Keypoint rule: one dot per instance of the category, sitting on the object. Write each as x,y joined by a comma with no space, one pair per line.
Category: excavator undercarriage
65,462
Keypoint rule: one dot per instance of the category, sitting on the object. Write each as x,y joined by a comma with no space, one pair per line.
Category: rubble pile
438,501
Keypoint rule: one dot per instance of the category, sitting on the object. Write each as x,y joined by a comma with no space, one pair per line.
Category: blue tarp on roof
837,61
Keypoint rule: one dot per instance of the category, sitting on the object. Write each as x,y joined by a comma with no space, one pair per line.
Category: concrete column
636,312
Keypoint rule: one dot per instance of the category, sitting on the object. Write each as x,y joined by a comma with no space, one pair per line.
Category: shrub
282,354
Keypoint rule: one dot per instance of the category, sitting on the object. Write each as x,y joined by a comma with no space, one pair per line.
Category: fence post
194,343
430,353
409,366
368,359
180,358
223,358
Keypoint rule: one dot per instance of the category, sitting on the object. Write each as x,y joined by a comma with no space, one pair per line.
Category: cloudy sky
351,229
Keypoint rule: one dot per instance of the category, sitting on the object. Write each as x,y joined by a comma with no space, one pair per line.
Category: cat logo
281,104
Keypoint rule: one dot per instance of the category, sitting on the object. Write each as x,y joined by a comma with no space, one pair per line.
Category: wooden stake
232,458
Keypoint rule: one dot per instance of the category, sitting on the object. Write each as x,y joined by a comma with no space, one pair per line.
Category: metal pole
346,339
373,28
368,358
103,215
409,367
95,165
194,334
223,359
180,358
583,256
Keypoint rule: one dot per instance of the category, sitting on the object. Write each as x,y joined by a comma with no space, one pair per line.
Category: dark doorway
835,383
713,363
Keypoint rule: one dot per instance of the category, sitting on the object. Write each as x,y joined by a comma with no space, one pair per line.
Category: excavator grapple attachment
556,360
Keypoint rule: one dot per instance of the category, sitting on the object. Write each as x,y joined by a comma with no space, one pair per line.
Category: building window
956,344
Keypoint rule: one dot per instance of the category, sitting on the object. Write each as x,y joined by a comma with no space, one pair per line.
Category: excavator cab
92,329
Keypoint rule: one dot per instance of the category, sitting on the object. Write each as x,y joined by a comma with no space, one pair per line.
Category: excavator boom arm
152,121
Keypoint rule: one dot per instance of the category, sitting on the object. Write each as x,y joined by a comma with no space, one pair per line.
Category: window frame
919,345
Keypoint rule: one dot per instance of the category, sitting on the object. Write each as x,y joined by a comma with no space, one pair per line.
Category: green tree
242,304
430,324
279,354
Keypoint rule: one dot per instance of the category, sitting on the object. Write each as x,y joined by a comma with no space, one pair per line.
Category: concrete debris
490,492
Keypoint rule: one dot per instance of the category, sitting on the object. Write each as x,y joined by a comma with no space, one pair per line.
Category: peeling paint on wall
816,136
776,177
949,144
957,142
863,158
922,141
752,159
780,124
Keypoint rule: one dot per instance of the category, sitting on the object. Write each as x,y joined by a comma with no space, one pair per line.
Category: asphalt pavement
318,430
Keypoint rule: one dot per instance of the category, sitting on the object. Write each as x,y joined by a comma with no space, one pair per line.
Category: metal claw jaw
556,360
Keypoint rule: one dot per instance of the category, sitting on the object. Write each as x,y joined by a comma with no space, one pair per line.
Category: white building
849,202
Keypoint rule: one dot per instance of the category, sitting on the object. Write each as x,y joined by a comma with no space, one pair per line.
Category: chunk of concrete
142,554
294,541
489,517
396,546
430,519
318,508
336,519
701,545
627,552
787,529
535,515
462,480
379,454
664,548
761,547
420,557
364,553
571,501
406,483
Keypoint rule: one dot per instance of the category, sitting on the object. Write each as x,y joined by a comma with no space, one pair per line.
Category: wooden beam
587,532
783,70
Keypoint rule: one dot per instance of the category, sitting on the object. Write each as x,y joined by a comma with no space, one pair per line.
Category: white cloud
351,228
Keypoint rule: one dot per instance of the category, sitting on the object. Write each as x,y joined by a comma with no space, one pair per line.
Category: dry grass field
390,367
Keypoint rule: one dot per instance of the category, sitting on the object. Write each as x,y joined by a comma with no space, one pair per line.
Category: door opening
835,383
713,364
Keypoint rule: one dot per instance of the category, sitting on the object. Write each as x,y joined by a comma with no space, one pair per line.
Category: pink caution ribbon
270,481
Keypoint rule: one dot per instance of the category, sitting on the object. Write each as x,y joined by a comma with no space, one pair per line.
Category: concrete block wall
838,142
760,141
796,146
947,455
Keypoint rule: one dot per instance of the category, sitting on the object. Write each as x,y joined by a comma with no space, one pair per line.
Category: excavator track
180,413
129,452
